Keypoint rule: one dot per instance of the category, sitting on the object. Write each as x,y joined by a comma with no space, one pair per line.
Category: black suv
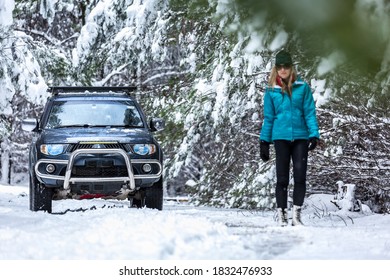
94,142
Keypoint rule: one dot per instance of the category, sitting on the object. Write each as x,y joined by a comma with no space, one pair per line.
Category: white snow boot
282,217
296,216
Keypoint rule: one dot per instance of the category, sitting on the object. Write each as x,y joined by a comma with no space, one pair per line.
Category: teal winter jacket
289,117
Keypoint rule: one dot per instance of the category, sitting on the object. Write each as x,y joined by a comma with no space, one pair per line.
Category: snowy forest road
110,230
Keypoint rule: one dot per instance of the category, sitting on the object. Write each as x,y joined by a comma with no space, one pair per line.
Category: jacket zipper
291,118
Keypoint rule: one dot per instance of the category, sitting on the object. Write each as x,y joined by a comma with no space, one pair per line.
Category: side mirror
157,124
29,125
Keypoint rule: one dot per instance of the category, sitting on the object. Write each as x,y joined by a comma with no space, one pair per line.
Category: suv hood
75,135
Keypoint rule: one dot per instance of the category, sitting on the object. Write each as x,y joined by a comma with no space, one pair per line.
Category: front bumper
127,176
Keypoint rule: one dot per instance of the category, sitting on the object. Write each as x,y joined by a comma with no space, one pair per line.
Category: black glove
312,143
264,150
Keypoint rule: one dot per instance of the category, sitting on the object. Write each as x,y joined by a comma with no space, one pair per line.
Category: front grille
96,172
78,146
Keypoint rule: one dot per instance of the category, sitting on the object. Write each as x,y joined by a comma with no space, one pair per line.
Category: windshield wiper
73,125
98,125
126,126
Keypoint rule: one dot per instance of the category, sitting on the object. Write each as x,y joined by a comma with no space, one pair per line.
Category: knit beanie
283,58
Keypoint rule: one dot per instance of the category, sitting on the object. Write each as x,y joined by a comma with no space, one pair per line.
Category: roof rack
81,89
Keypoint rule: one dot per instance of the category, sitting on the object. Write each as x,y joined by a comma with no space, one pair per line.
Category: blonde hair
285,88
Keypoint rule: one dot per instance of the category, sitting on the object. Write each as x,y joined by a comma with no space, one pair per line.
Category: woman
290,122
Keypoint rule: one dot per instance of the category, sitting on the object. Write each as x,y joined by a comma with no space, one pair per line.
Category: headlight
53,149
144,149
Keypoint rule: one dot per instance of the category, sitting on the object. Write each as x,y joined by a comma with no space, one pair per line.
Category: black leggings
285,151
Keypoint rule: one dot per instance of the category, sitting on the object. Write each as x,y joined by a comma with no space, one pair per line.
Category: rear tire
40,196
138,201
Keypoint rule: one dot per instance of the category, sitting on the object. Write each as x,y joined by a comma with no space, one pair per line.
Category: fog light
50,168
147,168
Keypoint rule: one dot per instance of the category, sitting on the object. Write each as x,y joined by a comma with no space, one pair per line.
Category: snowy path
109,230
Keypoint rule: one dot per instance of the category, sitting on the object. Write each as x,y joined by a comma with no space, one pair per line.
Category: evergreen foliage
203,67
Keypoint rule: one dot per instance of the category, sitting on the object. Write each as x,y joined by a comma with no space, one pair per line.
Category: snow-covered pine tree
21,86
203,67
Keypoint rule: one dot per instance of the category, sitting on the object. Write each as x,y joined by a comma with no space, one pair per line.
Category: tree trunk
5,163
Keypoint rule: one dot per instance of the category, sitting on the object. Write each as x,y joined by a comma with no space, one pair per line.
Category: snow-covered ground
109,230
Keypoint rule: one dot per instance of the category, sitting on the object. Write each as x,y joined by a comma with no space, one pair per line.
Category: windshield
94,113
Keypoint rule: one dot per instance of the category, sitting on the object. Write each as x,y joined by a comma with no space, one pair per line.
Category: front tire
40,196
154,195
